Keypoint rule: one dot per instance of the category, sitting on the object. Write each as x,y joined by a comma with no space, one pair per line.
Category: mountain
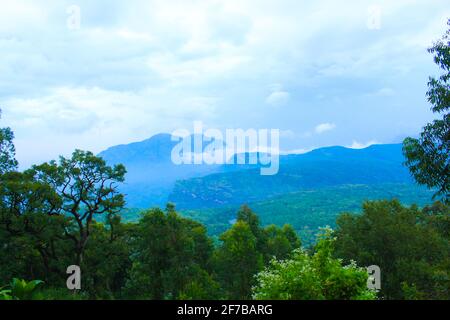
309,191
151,173
156,149
320,168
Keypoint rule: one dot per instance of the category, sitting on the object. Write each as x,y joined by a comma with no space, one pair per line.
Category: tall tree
170,252
30,220
271,241
245,214
87,187
107,257
237,261
8,161
428,157
280,242
409,246
30,227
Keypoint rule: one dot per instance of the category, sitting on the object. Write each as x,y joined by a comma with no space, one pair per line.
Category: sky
93,74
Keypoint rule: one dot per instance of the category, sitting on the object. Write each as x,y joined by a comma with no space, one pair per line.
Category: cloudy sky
324,72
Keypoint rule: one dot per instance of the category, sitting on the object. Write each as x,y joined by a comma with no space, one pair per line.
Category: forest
68,212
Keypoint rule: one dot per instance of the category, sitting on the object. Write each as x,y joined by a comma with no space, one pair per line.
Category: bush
316,276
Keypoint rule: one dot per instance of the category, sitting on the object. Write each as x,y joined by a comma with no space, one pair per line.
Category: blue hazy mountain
151,174
152,178
324,167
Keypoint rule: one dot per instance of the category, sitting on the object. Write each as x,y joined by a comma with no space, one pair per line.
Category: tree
87,187
7,150
428,157
409,246
312,277
280,242
107,257
237,261
30,226
271,241
170,259
292,236
246,215
437,216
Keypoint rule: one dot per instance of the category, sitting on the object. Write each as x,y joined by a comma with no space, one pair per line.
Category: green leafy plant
316,276
5,294
428,157
20,289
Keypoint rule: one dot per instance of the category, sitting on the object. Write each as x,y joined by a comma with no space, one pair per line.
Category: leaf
30,286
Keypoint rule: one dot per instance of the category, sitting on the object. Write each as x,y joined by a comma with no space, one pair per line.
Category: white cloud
278,98
296,151
94,118
287,134
324,127
358,145
383,92
134,70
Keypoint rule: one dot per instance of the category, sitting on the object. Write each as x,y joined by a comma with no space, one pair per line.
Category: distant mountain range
212,193
151,175
152,179
320,168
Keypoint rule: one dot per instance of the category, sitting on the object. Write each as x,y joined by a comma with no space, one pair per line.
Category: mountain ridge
153,180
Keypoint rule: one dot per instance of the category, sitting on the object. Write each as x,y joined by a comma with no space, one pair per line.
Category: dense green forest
308,210
69,212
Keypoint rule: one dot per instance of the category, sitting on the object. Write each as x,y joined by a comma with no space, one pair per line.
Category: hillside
308,210
309,191
320,168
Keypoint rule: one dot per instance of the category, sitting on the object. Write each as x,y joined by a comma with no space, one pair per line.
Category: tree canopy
428,157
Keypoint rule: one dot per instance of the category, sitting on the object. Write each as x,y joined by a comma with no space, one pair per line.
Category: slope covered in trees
308,210
49,220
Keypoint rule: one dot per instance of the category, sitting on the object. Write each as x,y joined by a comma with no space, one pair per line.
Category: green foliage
23,290
428,157
409,245
170,251
308,210
237,260
246,247
107,258
47,216
70,211
7,150
20,289
60,293
5,294
312,277
30,227
201,287
87,187
279,242
246,215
